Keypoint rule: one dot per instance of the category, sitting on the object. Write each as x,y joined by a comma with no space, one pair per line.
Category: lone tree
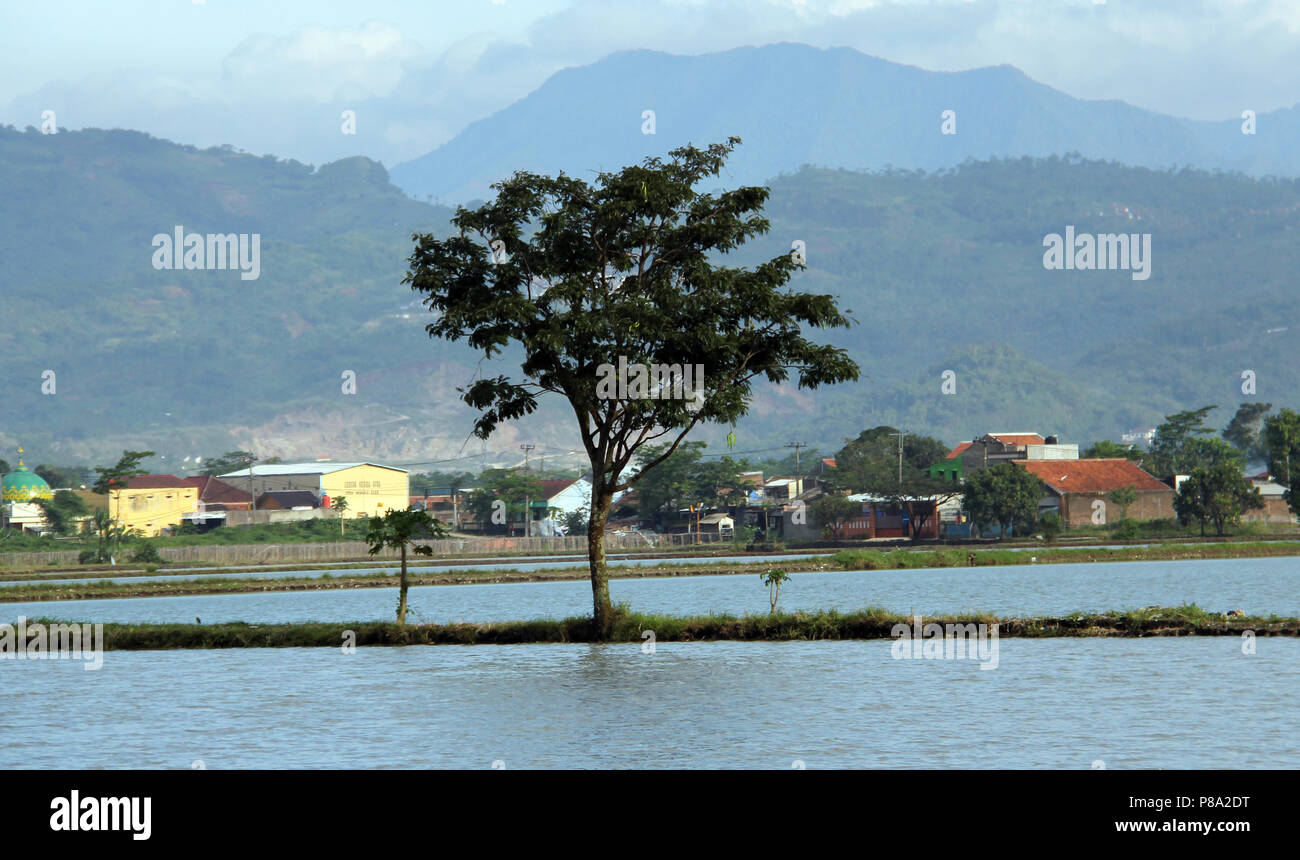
340,504
582,277
400,530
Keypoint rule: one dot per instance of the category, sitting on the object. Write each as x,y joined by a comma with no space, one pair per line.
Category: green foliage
1004,495
62,511
1105,449
1282,441
1174,450
1124,497
514,487
624,269
146,553
1049,525
909,247
774,579
231,461
1127,529
424,483
64,476
575,522
868,623
110,535
341,505
1244,430
1216,494
117,475
683,478
400,530
870,463
832,511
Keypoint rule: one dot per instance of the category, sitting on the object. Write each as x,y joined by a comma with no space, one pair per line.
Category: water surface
1054,703
1256,585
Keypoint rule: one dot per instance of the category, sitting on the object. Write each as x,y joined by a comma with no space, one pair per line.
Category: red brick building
1074,485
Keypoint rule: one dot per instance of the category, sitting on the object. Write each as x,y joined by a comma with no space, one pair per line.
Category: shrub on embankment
876,559
629,627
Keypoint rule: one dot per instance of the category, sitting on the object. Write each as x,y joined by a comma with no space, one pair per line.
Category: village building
20,492
1073,486
1273,495
559,499
370,489
992,449
151,503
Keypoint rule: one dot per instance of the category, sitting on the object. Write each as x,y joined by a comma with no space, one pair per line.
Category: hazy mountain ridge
795,105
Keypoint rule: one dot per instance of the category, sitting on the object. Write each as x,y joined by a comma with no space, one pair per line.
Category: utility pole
900,454
252,502
528,514
798,475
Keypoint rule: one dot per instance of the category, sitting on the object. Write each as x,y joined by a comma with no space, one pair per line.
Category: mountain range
796,105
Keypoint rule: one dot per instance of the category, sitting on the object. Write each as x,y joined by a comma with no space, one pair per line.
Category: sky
276,77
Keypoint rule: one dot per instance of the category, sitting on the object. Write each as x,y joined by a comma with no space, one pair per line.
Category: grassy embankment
962,557
872,623
897,559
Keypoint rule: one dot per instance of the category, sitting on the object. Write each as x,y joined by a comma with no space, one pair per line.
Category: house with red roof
993,448
1079,490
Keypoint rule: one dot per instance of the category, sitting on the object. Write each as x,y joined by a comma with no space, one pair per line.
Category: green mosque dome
23,485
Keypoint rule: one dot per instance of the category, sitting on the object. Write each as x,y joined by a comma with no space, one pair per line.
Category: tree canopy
116,476
1216,494
1004,495
577,277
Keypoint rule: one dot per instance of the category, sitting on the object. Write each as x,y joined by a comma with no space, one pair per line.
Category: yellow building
151,503
370,489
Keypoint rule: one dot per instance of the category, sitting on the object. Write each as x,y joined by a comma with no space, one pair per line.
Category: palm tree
110,533
400,530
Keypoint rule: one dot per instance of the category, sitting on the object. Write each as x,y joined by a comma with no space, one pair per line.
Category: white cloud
322,64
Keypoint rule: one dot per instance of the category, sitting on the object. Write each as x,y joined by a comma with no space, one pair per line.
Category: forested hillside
942,271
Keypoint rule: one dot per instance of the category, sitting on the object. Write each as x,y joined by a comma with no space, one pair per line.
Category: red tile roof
1019,438
1091,476
155,482
956,452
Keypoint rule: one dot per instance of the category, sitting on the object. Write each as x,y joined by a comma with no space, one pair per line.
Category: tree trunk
401,603
602,609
